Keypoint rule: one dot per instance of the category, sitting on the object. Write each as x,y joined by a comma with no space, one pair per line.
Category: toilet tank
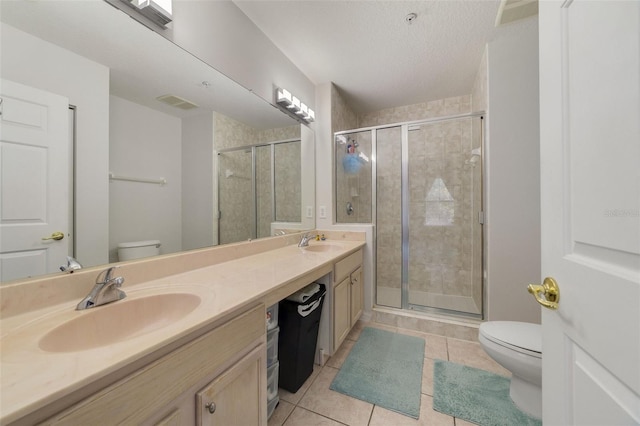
138,249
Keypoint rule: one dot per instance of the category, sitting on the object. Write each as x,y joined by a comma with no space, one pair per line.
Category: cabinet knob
211,407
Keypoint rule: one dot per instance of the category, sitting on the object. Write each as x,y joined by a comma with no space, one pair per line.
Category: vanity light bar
292,104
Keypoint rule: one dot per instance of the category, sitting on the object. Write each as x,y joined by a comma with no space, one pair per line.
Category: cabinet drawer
138,396
347,265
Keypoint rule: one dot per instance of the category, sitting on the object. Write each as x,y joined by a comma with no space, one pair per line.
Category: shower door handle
549,289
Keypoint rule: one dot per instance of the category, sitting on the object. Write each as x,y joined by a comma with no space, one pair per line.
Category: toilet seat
522,337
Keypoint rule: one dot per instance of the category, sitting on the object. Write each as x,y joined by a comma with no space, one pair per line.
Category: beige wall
218,33
513,173
198,190
144,143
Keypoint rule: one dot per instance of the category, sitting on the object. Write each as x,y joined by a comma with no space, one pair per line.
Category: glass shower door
428,199
442,219
235,196
389,260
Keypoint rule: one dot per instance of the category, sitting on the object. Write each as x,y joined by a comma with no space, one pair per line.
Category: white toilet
138,249
517,346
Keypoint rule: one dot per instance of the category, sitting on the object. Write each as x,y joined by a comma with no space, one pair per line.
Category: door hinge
481,218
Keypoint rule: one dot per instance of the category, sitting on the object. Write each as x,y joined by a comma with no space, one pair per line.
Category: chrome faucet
72,265
304,240
106,290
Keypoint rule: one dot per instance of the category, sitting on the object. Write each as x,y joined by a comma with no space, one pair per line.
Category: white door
34,181
590,167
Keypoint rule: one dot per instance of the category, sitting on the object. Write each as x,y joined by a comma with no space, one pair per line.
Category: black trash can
299,319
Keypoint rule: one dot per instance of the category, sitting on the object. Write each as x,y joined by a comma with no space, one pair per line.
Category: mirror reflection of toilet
517,346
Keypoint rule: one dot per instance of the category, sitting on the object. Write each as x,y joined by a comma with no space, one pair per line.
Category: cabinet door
357,295
341,312
238,396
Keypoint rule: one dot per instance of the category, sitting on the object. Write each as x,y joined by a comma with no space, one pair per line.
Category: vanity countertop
32,377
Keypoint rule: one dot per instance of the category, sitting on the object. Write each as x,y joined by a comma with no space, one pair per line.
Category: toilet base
526,396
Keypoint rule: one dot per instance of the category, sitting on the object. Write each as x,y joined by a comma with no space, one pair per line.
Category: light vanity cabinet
217,378
348,296
235,397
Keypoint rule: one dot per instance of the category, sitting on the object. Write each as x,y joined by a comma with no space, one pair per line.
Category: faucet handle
107,275
118,281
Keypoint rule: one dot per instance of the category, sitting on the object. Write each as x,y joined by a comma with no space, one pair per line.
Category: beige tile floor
315,404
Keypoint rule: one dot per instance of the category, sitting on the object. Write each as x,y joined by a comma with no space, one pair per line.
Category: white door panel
590,155
27,165
34,181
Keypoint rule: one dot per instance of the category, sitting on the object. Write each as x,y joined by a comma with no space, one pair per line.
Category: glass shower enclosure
420,184
258,185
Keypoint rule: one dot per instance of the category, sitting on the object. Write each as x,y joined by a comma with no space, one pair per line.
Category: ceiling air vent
177,101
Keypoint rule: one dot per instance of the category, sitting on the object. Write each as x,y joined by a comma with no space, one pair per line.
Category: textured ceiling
372,54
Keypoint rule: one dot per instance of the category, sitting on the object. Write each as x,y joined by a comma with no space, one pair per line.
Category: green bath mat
385,369
476,395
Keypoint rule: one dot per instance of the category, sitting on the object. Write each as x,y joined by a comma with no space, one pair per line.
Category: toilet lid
519,335
134,244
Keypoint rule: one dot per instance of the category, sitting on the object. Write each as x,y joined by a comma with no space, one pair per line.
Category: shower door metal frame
254,194
404,212
405,217
404,144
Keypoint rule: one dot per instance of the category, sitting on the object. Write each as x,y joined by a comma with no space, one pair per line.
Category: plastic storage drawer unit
271,406
299,326
272,381
272,317
272,346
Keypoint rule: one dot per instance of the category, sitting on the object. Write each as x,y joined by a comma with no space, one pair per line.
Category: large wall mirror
210,163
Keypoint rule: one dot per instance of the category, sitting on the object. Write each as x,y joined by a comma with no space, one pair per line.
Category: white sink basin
118,321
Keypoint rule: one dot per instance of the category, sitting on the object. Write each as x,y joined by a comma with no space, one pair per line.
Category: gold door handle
55,236
549,289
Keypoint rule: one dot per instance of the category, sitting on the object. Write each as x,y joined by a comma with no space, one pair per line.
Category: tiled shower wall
351,188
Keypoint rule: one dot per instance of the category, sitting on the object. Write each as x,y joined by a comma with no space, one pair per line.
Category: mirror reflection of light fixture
158,11
294,106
